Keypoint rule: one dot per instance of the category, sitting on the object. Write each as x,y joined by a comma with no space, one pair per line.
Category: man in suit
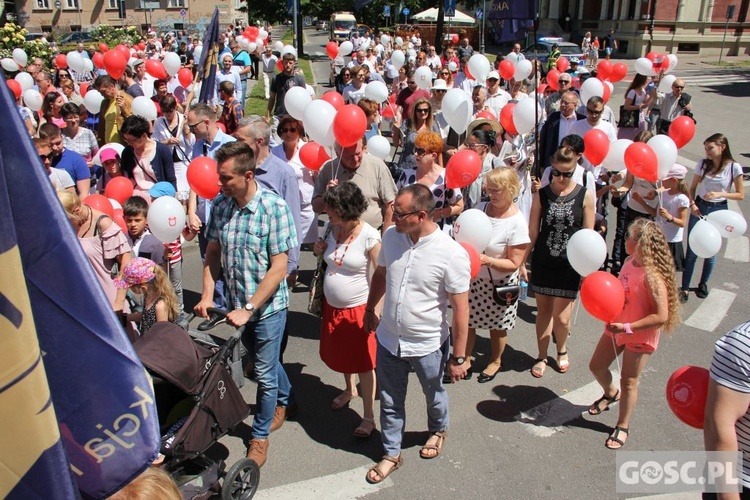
557,126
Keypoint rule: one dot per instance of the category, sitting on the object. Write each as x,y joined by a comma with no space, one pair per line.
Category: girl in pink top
651,304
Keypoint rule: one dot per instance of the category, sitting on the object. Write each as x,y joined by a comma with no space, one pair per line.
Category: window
71,4
239,4
176,3
113,4
42,4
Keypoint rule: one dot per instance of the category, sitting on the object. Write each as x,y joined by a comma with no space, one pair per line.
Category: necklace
90,217
336,260
562,199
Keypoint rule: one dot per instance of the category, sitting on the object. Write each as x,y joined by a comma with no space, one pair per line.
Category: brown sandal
396,461
437,447
366,428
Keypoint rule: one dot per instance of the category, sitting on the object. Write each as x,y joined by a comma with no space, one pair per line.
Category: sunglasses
593,111
678,86
445,72
420,151
191,127
399,216
63,75
567,82
558,173
412,83
48,156
289,130
422,110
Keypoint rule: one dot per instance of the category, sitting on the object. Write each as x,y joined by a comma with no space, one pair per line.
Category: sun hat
496,127
439,84
493,75
676,172
108,154
136,272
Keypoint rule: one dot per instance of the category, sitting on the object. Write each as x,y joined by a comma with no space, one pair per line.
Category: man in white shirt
496,97
420,270
269,61
594,109
433,61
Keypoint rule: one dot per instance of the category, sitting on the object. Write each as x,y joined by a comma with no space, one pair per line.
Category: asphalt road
516,437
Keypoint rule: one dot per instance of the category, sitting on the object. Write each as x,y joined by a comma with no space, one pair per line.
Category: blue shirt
74,164
242,59
204,206
276,175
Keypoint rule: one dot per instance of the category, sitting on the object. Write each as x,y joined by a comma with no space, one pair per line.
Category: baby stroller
198,403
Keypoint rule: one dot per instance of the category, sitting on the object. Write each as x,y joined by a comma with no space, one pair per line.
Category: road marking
342,485
711,311
548,418
685,495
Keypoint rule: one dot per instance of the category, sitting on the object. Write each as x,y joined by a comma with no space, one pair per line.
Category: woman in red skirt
350,247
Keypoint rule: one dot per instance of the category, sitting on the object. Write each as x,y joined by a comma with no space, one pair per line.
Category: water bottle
524,291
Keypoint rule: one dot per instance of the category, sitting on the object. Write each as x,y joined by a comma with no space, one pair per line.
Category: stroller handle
210,310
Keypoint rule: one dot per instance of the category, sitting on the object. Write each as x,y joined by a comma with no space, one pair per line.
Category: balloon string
575,316
617,356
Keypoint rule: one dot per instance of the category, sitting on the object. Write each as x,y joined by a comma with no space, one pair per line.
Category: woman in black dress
558,210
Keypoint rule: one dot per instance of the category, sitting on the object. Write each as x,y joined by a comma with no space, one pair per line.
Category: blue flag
68,373
210,59
512,19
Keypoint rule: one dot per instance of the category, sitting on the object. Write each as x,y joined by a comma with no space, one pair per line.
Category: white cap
493,74
439,84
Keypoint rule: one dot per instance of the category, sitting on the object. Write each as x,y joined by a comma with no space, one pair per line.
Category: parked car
35,36
76,37
544,45
322,26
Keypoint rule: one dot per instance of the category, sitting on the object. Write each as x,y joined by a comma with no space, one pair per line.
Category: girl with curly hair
652,304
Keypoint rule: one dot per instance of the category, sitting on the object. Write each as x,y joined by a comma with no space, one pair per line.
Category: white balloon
25,80
409,45
590,88
384,39
296,100
665,85
33,99
523,115
611,87
423,77
512,57
166,219
704,239
586,251
399,41
672,61
523,70
644,66
242,41
19,55
93,101
666,153
479,67
729,223
172,63
365,44
75,61
288,49
112,145
88,65
252,46
345,48
453,66
9,64
615,159
278,45
473,227
376,91
379,146
457,109
398,58
197,53
262,34
412,54
145,107
318,122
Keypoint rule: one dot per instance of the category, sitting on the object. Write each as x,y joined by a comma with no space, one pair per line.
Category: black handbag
315,301
628,117
504,295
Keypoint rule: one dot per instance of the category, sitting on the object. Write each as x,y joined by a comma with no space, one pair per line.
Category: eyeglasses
361,75
422,110
292,130
567,82
130,140
347,74
191,127
63,75
595,112
441,90
420,151
412,83
399,216
46,157
473,145
445,72
678,87
558,173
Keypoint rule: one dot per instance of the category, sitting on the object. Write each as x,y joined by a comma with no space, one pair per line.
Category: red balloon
313,156
221,127
603,296
454,38
280,65
552,76
664,64
334,98
596,146
463,168
388,111
119,188
506,118
83,88
185,76
141,46
61,61
603,69
652,56
576,83
682,130
203,177
103,47
619,71
641,161
124,51
562,64
349,125
607,93
253,31
687,392
15,87
114,64
486,115
120,220
507,69
332,49
98,60
156,69
474,259
392,98
99,202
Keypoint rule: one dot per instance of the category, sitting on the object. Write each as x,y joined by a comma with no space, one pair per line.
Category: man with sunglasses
61,180
593,120
671,105
433,61
420,271
552,101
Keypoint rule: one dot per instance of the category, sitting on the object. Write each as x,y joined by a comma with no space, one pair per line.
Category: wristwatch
459,359
250,307
627,329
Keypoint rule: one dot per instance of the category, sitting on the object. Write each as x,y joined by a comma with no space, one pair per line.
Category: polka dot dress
485,313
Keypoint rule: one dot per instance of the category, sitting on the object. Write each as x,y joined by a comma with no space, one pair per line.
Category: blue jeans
220,302
690,257
393,376
263,339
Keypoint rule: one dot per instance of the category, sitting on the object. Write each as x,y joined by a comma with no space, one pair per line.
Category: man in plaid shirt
250,233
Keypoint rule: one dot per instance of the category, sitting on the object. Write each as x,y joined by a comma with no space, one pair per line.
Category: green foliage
13,36
112,35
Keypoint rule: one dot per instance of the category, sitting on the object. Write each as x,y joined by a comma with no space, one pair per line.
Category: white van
342,23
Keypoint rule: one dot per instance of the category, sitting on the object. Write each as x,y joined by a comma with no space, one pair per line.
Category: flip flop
538,372
342,401
366,428
615,437
396,461
438,447
597,408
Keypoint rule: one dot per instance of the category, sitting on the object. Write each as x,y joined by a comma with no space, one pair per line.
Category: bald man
671,105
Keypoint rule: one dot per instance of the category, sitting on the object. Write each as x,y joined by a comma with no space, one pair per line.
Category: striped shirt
731,368
249,237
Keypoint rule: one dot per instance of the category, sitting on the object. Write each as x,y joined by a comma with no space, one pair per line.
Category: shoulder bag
315,301
506,295
628,117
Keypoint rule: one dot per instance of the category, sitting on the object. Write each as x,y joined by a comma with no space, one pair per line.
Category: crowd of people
392,268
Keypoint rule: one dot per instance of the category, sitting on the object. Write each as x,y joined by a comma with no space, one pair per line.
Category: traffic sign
183,13
405,11
386,11
58,4
479,14
450,8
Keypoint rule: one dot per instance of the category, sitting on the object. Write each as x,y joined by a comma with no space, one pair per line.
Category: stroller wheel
241,481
